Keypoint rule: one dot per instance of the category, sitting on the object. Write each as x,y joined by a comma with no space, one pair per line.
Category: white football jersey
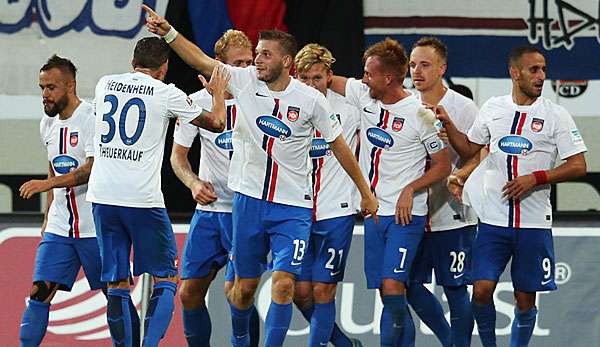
394,143
522,139
132,116
69,143
445,213
216,150
273,137
334,193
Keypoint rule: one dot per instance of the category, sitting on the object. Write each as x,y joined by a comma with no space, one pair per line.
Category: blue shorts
261,226
147,229
532,252
390,249
325,258
448,253
59,258
207,245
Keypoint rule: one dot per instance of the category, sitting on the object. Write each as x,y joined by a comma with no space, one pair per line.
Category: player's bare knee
43,291
525,301
392,287
483,293
244,291
324,292
303,294
282,290
191,296
121,284
227,289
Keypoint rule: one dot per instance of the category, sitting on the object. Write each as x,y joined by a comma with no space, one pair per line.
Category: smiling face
55,88
270,60
426,68
528,74
376,78
317,76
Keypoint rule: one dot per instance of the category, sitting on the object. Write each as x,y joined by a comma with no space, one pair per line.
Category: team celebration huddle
290,154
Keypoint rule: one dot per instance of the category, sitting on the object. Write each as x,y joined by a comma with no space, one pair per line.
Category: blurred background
99,36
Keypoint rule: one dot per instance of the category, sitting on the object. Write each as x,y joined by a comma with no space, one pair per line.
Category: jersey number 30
108,118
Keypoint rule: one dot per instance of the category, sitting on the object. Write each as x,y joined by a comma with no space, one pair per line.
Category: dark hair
437,45
391,54
517,52
288,42
63,64
462,90
150,53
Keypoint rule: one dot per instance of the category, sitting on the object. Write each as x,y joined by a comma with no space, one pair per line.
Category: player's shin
461,315
34,323
277,324
321,324
119,317
408,335
392,327
485,316
522,327
429,309
197,326
160,312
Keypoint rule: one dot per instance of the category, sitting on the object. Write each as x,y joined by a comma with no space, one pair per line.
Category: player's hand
455,186
518,187
205,84
30,188
443,135
369,206
203,192
404,206
155,23
441,114
219,79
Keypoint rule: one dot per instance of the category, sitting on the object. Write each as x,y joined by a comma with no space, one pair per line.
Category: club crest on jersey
397,123
64,164
224,141
74,138
319,148
380,138
293,113
514,145
537,125
273,127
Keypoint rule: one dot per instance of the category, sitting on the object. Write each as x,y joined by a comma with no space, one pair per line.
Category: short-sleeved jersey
216,150
132,116
445,213
334,193
69,143
522,139
272,139
394,143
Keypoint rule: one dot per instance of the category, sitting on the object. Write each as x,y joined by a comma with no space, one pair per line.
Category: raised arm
185,49
215,119
74,178
345,157
338,84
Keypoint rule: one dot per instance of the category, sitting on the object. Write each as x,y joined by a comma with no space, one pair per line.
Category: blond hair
231,38
312,54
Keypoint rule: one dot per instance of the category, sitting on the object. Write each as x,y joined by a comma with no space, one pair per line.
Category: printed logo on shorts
293,113
537,125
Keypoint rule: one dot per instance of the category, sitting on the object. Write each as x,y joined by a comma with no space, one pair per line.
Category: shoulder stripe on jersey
270,181
512,168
